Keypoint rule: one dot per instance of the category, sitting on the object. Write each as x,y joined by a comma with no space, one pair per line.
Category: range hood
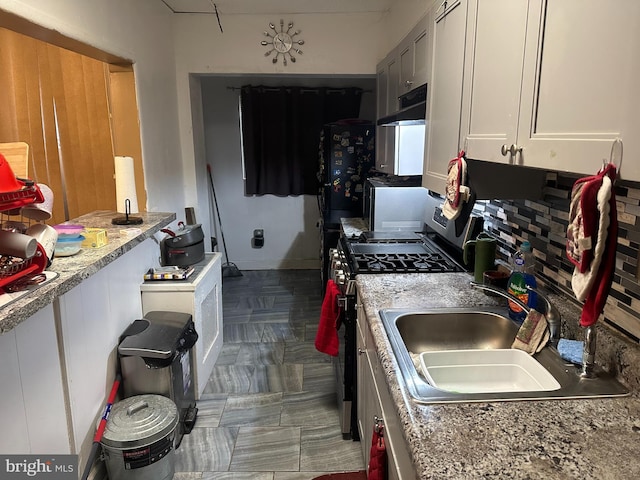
413,109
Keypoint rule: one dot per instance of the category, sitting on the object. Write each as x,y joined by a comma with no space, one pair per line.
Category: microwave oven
395,203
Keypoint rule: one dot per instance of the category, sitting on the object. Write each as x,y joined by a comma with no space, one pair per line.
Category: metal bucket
138,440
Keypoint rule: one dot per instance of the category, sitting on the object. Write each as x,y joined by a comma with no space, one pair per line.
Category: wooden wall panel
57,101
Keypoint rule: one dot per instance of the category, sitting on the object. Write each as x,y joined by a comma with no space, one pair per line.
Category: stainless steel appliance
437,250
395,203
155,358
412,109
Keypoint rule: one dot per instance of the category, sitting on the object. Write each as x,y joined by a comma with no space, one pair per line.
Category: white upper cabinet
413,58
551,83
388,75
445,92
493,74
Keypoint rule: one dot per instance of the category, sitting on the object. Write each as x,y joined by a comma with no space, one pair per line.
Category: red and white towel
592,236
456,190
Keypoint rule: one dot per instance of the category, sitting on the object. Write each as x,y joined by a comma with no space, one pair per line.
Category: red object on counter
327,335
31,266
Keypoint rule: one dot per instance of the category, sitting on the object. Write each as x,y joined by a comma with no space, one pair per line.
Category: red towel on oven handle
327,334
377,456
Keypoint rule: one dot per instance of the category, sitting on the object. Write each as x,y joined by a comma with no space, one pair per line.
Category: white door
446,93
581,66
493,77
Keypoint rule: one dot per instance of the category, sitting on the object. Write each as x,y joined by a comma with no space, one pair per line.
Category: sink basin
439,335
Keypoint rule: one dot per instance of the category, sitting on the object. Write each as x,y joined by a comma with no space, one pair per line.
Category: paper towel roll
125,184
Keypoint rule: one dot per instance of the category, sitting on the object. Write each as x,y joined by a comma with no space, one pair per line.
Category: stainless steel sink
479,328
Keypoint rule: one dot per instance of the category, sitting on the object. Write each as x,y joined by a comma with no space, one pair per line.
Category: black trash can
155,358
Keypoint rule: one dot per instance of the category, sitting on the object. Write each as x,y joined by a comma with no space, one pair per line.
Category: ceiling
239,7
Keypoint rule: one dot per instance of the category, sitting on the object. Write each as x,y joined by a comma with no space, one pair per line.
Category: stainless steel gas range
436,250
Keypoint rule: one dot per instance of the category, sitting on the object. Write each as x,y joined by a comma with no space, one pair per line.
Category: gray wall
292,237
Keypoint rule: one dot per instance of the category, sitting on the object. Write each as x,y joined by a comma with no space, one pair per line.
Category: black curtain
281,131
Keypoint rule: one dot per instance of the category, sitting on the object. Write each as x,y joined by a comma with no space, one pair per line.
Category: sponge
571,350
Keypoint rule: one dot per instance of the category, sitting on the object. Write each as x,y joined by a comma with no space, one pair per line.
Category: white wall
139,30
335,45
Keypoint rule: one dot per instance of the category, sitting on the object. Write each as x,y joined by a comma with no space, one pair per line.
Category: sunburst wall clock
282,42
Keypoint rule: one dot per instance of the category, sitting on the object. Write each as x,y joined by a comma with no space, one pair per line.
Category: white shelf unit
201,296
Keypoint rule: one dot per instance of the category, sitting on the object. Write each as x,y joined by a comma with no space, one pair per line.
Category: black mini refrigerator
155,358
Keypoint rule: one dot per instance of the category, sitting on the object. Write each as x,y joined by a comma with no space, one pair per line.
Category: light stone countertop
549,439
74,269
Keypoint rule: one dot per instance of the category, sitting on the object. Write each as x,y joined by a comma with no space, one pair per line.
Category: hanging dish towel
456,190
377,455
533,334
592,236
327,334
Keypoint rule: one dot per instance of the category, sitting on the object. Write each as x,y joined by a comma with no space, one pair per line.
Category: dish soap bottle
523,268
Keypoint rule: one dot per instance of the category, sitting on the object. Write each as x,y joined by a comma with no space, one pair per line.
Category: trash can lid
139,421
155,340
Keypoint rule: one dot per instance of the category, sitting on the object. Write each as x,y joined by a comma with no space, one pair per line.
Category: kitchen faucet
551,313
553,317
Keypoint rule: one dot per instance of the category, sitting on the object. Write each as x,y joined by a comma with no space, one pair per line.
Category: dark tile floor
269,411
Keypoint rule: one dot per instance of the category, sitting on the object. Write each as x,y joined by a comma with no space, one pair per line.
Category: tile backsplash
544,224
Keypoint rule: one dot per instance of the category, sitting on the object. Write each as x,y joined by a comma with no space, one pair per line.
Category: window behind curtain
281,130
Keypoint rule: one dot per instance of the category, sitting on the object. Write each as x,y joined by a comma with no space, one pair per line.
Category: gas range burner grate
403,263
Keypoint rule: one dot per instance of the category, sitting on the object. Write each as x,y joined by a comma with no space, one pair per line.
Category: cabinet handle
512,150
408,83
361,351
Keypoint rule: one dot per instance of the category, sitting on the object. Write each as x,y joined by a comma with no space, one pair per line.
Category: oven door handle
342,301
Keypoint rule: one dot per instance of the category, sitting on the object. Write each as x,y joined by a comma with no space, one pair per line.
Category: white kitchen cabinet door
581,67
387,85
492,77
382,87
413,58
446,93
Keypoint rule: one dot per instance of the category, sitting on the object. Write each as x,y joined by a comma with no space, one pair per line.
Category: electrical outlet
258,238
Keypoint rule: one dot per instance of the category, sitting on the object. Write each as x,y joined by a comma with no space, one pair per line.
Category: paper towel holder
127,219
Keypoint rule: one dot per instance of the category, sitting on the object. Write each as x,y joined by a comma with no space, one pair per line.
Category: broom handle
215,203
101,426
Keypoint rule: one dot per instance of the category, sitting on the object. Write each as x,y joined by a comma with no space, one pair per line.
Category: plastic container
523,269
67,246
68,230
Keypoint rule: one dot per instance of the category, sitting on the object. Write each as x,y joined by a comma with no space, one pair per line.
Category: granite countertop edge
550,439
75,269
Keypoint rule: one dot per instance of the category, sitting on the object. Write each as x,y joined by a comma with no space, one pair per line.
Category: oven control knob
341,278
337,265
